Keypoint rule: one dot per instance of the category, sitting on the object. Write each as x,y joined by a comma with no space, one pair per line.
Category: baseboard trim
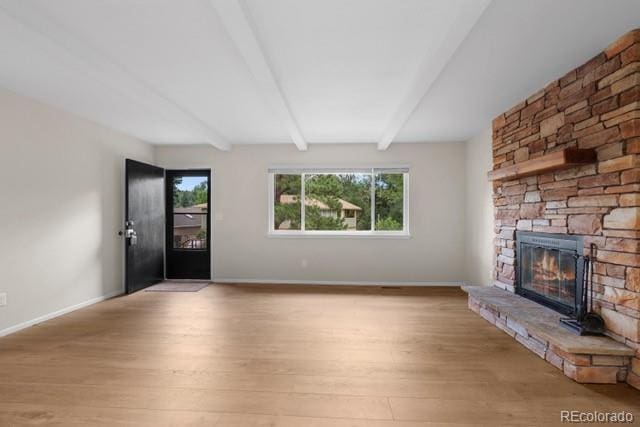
40,319
334,282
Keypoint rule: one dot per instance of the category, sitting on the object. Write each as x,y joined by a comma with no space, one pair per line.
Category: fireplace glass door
549,273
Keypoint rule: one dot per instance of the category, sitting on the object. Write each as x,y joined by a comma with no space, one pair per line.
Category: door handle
130,234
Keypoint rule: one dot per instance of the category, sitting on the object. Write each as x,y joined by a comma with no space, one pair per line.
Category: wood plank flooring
264,355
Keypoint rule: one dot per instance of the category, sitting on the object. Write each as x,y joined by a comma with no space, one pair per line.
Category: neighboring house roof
183,217
195,209
187,220
287,199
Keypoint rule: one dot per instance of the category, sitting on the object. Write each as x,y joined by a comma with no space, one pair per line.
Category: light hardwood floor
240,355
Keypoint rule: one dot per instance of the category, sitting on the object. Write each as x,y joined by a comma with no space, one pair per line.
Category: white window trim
271,232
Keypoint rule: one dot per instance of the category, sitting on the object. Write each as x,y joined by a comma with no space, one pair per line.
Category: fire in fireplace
550,270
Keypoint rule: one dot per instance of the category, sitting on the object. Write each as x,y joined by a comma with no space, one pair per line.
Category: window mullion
405,202
373,201
302,201
271,182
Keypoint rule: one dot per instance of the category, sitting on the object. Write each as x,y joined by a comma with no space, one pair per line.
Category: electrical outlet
3,299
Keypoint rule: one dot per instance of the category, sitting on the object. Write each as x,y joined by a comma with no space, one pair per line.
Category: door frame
168,177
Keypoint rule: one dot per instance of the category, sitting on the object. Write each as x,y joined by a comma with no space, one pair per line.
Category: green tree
188,198
200,193
389,201
356,188
287,185
388,223
314,220
326,189
177,196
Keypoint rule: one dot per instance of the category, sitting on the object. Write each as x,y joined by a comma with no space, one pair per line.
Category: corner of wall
478,210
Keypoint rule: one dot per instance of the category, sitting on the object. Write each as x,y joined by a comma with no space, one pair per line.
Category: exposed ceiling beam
431,67
237,23
60,42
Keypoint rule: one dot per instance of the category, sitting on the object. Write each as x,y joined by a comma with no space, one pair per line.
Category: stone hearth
586,359
595,107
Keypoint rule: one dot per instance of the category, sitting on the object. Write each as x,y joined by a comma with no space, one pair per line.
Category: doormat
177,287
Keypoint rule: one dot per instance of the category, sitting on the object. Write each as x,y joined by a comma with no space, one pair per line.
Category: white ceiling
298,71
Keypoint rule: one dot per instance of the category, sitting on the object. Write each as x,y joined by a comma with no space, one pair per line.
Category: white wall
242,250
479,210
61,181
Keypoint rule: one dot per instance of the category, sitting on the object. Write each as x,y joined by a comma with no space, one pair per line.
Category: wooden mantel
557,160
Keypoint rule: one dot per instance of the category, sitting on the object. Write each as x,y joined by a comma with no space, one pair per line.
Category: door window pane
190,193
338,202
389,203
287,195
190,209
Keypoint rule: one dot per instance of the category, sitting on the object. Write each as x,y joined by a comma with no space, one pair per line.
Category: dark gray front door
145,225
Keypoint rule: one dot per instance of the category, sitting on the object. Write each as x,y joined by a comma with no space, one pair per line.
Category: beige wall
242,250
479,210
62,193
62,180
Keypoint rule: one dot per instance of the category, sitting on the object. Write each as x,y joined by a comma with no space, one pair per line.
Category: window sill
338,235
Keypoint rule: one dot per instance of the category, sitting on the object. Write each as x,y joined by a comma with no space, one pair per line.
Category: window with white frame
319,201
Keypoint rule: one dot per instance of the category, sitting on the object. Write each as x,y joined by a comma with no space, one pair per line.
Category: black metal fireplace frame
560,242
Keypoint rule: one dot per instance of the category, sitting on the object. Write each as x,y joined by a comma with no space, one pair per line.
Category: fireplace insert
551,270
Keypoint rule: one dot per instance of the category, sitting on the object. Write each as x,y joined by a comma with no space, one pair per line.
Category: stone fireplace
566,171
